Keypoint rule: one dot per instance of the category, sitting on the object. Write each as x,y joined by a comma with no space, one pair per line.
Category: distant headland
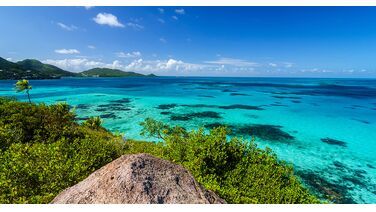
34,69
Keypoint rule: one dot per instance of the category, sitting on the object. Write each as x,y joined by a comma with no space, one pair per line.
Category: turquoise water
325,127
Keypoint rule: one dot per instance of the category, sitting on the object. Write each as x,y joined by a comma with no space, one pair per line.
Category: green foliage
43,151
93,122
47,69
21,123
30,69
235,169
23,85
108,72
10,70
152,128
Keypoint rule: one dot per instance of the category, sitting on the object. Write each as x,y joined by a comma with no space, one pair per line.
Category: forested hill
31,69
34,69
107,72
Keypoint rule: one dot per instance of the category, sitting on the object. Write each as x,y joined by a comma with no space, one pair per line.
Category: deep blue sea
326,128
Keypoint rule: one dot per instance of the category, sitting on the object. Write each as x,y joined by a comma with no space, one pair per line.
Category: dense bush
235,169
43,150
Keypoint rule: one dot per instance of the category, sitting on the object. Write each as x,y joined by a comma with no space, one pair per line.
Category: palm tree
23,85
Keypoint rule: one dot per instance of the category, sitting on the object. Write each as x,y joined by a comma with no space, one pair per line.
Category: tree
23,85
93,122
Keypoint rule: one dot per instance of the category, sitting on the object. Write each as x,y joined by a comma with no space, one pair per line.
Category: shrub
93,122
237,170
43,151
22,122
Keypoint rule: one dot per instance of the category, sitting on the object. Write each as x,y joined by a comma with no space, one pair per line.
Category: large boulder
138,178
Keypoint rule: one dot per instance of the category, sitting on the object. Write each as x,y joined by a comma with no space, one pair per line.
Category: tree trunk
28,96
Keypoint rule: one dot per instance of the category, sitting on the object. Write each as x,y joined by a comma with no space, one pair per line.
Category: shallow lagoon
325,127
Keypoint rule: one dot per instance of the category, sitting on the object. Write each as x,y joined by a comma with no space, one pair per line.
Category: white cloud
137,20
66,27
75,65
88,7
180,11
232,62
161,10
161,20
107,19
134,26
162,40
67,51
82,64
174,17
287,64
9,59
129,54
91,47
273,65
164,66
315,70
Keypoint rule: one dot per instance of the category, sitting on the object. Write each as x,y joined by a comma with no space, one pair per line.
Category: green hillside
30,69
107,72
51,70
9,70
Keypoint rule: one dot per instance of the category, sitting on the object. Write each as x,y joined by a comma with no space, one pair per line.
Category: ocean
326,128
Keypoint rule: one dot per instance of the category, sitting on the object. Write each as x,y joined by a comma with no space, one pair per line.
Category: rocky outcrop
138,178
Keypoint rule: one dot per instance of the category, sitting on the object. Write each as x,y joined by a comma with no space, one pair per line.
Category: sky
196,41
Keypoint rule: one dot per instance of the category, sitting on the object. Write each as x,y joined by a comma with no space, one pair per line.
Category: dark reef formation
332,141
239,94
112,107
225,107
189,116
108,116
122,101
337,189
334,192
263,131
239,106
206,96
286,97
166,106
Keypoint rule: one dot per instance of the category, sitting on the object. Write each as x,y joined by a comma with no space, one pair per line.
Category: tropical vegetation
30,69
23,85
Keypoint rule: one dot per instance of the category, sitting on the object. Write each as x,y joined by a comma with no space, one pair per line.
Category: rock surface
138,178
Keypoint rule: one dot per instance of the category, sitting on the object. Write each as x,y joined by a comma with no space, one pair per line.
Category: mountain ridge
35,69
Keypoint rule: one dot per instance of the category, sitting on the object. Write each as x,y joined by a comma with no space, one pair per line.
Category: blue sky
198,41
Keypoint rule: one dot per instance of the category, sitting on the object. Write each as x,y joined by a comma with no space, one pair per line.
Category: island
108,72
34,69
